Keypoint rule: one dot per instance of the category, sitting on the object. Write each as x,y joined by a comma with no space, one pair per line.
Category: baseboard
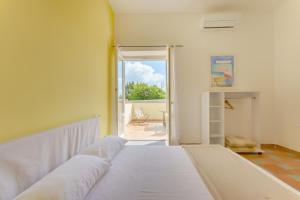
276,146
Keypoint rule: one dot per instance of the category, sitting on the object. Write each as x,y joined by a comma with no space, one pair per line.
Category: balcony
144,120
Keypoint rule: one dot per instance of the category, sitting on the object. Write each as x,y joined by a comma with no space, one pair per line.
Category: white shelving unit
213,118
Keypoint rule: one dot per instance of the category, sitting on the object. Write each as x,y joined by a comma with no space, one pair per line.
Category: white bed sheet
151,173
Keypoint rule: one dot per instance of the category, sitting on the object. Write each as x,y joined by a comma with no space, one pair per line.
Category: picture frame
222,71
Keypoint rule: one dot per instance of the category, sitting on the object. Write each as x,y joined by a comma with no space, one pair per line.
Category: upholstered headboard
26,160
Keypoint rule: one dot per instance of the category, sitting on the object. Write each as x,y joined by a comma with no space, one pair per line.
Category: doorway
143,95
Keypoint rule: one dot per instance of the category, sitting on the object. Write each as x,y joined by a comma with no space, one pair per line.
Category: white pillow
72,180
113,145
108,147
95,150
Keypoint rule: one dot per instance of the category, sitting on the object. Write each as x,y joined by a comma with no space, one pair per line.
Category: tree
143,91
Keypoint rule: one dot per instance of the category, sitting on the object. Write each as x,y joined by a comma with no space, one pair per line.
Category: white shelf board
216,136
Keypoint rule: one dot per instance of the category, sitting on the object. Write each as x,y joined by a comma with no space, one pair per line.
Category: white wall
251,43
287,73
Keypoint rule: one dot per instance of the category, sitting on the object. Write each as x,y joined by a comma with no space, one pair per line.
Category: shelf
218,140
213,117
216,136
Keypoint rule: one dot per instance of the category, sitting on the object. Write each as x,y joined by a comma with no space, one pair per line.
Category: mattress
151,173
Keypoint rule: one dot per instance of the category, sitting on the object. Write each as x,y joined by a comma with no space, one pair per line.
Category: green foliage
143,91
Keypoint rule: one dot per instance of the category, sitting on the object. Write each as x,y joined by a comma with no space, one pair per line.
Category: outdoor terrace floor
150,130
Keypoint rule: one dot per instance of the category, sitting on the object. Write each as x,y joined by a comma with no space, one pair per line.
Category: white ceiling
187,6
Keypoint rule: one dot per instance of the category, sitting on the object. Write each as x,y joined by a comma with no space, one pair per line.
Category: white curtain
173,104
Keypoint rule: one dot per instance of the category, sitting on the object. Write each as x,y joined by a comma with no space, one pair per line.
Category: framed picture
222,71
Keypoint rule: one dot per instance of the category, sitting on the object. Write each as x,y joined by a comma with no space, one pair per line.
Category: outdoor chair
140,116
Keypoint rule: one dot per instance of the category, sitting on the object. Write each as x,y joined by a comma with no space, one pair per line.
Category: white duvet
151,173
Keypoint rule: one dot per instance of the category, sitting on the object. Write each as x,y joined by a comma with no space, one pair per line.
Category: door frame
116,91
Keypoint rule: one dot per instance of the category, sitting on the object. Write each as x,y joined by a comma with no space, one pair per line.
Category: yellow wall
55,64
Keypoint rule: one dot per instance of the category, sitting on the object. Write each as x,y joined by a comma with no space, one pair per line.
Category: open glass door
121,97
143,95
168,102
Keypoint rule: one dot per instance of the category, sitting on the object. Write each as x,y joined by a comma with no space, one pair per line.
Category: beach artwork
222,71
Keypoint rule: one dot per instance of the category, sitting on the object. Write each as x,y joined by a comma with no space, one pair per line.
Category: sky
150,72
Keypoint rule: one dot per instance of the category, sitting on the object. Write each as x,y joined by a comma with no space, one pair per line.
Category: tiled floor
151,130
281,163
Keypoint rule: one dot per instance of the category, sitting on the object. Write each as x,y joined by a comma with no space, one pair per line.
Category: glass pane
120,99
145,106
148,78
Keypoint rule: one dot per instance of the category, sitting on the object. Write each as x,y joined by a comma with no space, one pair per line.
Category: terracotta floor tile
274,169
286,166
275,157
295,171
282,164
296,177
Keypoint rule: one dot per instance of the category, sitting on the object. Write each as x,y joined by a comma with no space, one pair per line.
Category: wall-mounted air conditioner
220,22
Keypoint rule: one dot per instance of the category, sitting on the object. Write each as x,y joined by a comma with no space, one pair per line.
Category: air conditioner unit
220,23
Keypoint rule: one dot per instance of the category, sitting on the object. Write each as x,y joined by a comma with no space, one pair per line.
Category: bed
135,172
151,173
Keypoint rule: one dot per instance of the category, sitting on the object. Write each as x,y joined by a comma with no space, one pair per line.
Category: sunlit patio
150,130
145,120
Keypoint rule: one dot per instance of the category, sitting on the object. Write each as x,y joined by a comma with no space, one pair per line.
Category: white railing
153,108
